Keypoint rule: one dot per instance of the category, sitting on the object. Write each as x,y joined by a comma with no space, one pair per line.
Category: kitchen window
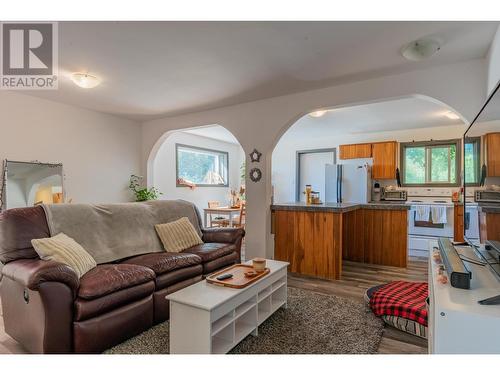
201,166
472,159
434,163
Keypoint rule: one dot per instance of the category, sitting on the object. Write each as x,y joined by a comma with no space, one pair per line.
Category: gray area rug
313,323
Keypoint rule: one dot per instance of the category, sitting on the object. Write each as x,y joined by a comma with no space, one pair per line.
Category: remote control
495,300
224,277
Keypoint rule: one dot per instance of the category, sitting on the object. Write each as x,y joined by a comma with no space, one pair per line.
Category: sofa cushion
174,277
65,250
162,263
18,226
222,262
86,309
178,235
109,278
211,251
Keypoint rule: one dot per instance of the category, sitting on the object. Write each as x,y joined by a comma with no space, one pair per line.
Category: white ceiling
401,114
217,132
154,69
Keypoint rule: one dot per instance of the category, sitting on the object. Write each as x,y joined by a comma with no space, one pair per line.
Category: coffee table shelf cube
206,318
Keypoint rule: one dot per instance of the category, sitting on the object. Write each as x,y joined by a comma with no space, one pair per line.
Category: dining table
231,212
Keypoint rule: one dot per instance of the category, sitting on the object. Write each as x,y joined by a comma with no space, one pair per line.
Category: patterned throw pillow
178,235
66,250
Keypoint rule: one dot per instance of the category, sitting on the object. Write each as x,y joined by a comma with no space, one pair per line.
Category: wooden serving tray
239,280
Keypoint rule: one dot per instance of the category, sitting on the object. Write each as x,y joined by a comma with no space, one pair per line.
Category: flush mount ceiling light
452,115
85,80
420,49
317,113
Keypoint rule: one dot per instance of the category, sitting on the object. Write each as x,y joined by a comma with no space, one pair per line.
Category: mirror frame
3,190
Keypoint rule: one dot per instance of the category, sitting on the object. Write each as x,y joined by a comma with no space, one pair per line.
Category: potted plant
142,193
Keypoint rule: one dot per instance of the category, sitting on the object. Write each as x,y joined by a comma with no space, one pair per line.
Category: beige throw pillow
66,250
178,235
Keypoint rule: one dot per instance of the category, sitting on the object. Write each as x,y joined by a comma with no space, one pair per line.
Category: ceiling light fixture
85,80
420,49
452,115
317,113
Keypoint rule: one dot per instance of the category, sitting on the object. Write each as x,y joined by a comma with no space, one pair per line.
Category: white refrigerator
348,183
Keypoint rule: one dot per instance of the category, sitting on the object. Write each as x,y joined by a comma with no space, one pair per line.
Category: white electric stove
420,233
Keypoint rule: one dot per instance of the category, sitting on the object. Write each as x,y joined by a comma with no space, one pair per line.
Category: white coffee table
205,318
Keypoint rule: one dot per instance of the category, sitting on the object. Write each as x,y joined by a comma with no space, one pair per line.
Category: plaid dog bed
401,299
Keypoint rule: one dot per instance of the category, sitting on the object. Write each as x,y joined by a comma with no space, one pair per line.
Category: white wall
164,170
261,123
494,62
98,151
284,160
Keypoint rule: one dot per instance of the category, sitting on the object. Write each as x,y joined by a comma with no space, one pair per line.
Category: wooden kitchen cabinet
492,141
310,241
489,226
355,151
384,160
315,241
458,223
376,236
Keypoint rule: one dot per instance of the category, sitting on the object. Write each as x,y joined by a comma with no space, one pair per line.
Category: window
201,166
472,167
430,163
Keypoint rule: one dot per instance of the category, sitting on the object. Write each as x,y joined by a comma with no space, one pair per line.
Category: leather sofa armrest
31,273
223,235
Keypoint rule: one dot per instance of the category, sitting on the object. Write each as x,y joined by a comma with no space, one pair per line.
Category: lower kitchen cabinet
489,226
315,242
376,236
310,241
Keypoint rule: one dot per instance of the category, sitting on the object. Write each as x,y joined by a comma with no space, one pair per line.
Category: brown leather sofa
49,310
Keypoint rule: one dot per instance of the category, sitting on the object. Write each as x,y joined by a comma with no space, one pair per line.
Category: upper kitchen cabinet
384,160
492,141
355,151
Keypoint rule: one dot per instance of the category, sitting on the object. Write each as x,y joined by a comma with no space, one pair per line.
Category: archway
204,165
402,119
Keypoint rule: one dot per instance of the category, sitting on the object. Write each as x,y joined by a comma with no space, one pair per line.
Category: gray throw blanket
110,232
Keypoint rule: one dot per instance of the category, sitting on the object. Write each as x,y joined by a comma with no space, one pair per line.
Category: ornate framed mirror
26,184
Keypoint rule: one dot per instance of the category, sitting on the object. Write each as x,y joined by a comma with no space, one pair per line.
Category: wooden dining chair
217,221
241,218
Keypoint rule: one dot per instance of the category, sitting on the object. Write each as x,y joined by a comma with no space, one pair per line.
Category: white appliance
421,233
348,183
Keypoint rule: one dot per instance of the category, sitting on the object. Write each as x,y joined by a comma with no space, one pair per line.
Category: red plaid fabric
403,299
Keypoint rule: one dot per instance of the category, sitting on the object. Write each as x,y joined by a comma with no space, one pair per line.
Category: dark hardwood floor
356,278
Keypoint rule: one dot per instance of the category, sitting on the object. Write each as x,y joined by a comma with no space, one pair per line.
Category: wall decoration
255,156
255,174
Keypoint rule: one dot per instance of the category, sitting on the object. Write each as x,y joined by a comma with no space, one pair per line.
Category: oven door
428,229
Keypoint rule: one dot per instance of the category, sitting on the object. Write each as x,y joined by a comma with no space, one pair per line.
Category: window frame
180,145
478,141
428,170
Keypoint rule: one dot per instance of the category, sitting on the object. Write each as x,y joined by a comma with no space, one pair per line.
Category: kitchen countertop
340,207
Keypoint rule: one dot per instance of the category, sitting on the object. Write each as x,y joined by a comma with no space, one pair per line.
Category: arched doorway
206,166
405,119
